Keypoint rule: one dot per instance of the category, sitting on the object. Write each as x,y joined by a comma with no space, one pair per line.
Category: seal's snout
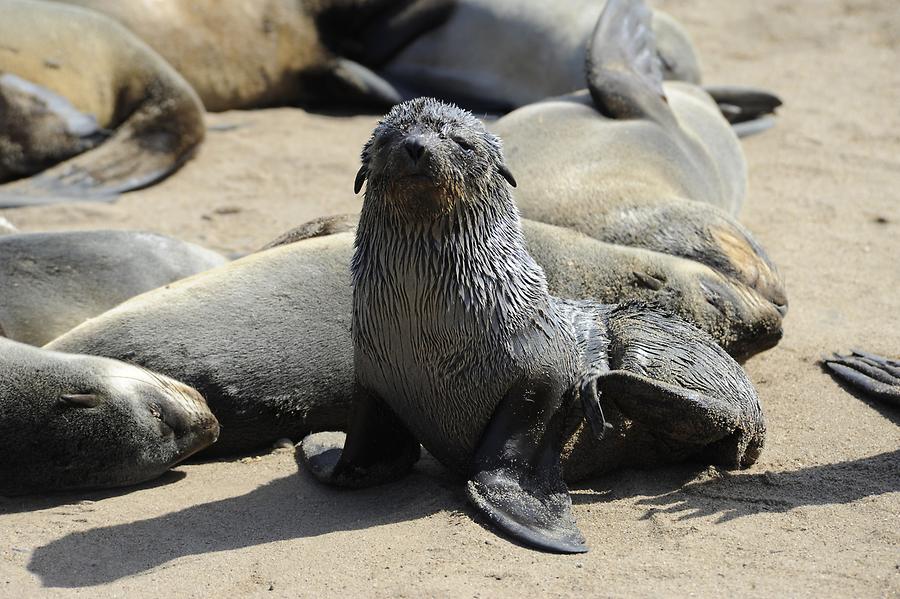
415,147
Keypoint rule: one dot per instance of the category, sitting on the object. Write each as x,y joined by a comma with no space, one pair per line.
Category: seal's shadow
30,503
736,494
294,506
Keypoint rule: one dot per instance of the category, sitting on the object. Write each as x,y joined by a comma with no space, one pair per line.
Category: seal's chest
445,390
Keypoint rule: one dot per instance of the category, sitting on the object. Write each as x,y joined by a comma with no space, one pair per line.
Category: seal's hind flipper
516,480
875,375
378,448
674,380
154,141
624,72
740,104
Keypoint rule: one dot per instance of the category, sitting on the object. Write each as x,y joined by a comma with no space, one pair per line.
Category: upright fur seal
459,346
88,120
76,422
53,282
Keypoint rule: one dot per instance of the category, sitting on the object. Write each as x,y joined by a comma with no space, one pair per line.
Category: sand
818,515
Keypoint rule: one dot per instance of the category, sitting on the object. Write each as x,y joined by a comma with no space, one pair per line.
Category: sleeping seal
641,164
459,346
87,110
483,56
240,55
53,282
81,422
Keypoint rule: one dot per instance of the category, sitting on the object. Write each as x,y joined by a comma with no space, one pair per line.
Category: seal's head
426,156
88,422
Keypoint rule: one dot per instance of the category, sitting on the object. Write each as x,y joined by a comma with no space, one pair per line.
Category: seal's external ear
361,177
80,400
504,170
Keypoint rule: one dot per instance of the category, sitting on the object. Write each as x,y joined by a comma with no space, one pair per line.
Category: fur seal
78,422
89,121
643,164
295,300
459,346
53,282
872,374
278,52
482,57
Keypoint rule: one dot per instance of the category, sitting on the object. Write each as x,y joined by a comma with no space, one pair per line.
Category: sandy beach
817,516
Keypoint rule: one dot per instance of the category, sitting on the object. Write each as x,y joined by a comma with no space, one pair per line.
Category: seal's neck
471,260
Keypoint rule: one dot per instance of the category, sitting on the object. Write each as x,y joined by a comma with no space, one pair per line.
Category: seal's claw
874,375
533,517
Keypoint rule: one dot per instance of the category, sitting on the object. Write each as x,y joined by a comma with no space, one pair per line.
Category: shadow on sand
296,506
699,491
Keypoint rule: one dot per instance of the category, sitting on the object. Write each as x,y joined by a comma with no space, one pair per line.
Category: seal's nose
415,147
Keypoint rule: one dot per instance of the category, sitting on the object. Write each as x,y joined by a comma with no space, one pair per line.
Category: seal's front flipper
516,480
378,448
154,141
624,72
875,375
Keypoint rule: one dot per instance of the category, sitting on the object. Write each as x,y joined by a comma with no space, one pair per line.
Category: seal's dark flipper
516,480
740,104
875,375
386,35
378,448
624,72
679,413
153,142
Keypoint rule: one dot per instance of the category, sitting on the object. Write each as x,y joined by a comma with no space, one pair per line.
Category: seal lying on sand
654,167
52,282
93,119
79,422
292,305
483,57
459,346
278,52
876,376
